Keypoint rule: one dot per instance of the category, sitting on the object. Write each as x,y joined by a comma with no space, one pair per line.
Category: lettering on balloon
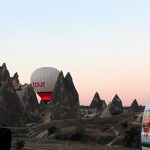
38,84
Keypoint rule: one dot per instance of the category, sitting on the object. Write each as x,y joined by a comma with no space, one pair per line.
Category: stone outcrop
29,102
16,82
135,106
27,98
11,110
116,106
65,99
97,103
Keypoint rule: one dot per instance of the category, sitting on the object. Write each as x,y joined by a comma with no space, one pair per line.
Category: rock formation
11,110
65,99
116,106
45,112
18,103
97,103
142,108
135,106
15,81
27,98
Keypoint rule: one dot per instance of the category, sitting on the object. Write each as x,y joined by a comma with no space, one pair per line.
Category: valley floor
100,131
36,144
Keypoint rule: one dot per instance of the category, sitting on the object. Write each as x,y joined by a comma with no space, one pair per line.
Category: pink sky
105,45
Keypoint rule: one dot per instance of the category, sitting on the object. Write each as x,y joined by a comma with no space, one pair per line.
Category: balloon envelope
43,81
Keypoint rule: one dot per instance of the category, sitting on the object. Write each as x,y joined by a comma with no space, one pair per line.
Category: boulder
65,99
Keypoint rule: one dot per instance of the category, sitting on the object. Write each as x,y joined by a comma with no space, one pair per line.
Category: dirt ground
97,127
39,144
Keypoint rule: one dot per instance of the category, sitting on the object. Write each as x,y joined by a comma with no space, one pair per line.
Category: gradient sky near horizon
105,45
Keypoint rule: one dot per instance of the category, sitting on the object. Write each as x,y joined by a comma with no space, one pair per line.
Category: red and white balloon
43,81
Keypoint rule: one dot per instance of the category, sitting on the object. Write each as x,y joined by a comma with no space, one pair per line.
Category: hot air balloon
43,81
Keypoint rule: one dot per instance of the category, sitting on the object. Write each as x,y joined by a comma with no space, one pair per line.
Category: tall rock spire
135,106
65,99
97,103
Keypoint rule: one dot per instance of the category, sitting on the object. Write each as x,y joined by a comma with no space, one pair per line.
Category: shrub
19,144
132,137
52,130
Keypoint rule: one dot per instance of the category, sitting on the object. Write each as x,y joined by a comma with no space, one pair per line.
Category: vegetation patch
132,137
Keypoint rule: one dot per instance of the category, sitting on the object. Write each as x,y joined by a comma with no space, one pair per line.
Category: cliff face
11,110
65,99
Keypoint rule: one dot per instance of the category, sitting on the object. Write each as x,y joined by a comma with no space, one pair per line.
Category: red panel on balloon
45,96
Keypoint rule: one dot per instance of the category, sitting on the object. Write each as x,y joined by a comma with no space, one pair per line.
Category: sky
105,45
